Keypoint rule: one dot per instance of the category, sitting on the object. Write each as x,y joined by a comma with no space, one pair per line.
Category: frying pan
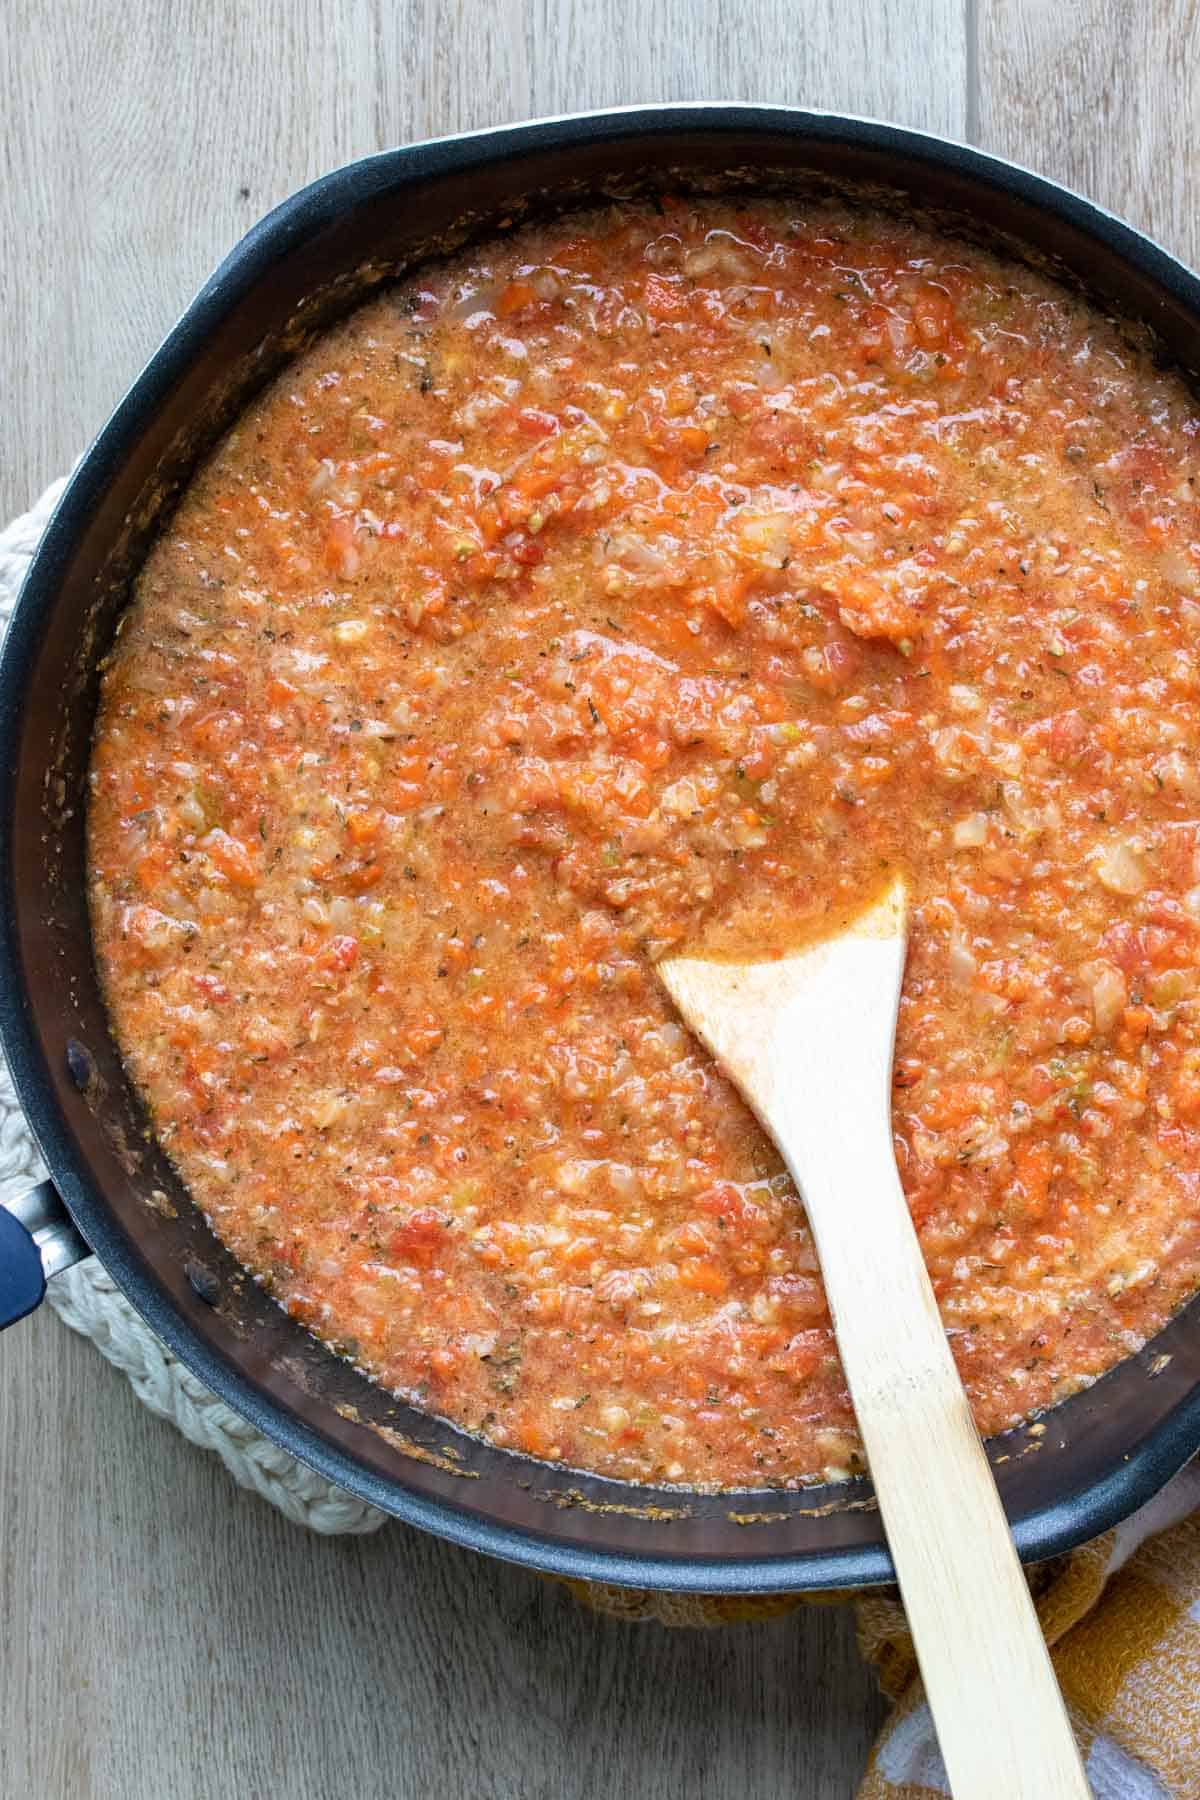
1096,1457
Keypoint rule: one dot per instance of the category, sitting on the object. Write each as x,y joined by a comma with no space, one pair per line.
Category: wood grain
1102,95
165,1634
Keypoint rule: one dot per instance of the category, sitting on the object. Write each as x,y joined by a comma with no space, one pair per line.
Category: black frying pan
1102,1453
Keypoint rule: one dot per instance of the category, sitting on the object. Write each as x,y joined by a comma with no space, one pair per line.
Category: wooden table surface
164,1636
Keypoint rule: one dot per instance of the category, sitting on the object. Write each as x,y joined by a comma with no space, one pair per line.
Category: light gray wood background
164,1636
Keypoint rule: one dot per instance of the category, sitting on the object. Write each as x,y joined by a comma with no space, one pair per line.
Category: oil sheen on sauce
645,579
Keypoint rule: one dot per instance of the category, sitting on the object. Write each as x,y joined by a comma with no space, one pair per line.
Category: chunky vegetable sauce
661,577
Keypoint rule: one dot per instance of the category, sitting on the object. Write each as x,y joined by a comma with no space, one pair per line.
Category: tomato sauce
663,577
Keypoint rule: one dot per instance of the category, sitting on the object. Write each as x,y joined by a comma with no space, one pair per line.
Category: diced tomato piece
703,1276
664,296
340,548
340,953
870,610
536,424
235,860
1136,1020
935,318
212,987
423,1234
512,298
153,866
728,599
1067,735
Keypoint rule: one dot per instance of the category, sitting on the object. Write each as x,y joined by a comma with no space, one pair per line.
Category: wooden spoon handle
1000,1719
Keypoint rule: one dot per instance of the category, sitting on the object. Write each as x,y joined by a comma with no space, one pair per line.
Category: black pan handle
37,1239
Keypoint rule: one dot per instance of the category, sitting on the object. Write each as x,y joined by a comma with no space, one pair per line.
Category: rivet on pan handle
37,1241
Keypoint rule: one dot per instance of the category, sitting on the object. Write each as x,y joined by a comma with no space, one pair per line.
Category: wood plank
1103,97
166,1634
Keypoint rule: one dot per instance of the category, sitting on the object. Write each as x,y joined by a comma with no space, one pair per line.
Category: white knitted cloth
87,1300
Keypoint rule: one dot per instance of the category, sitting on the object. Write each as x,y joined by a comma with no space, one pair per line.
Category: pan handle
37,1240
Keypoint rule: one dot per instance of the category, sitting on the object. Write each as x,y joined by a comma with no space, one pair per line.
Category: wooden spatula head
831,1003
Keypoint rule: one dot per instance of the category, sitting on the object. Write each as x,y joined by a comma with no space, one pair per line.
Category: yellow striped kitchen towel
1122,1615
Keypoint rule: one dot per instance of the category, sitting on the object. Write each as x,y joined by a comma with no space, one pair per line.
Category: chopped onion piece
963,965
1109,995
971,832
1120,869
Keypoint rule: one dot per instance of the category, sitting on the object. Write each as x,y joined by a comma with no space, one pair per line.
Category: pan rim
1057,1526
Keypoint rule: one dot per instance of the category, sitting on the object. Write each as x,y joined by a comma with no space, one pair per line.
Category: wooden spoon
808,1038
